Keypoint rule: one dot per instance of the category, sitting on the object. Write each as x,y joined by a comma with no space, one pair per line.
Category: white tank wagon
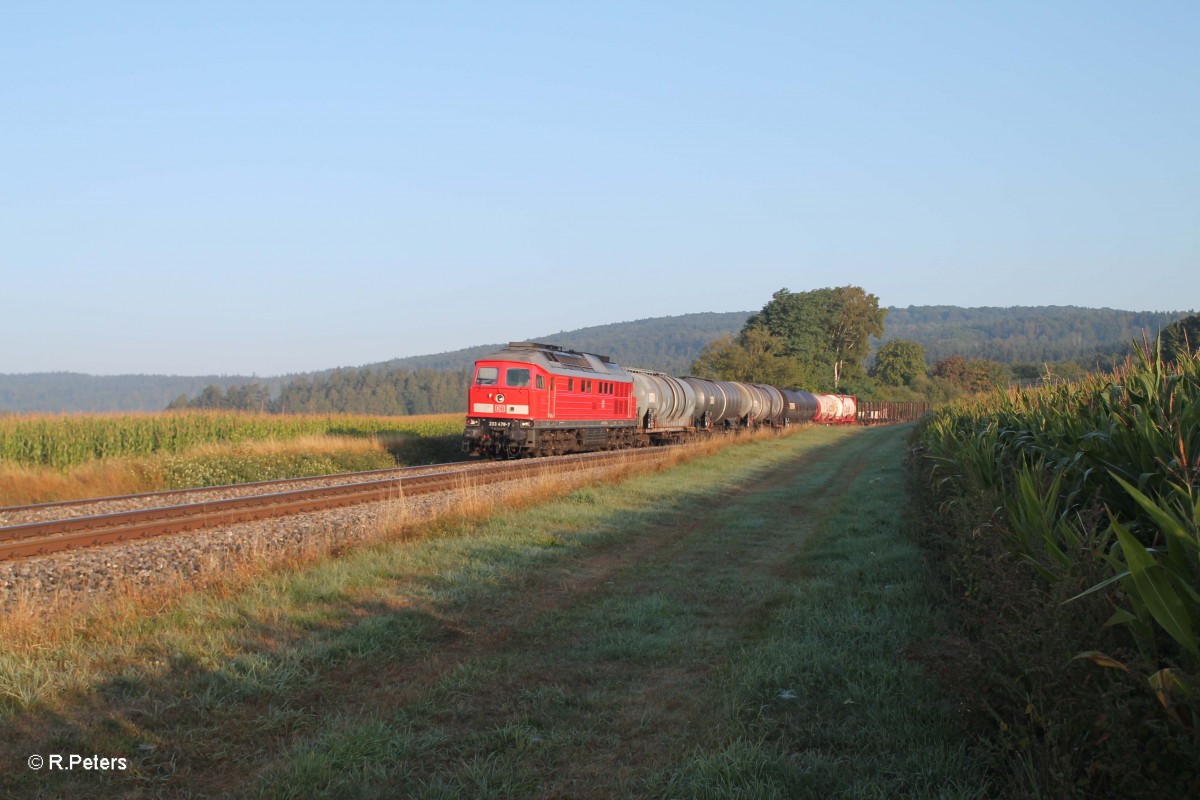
836,409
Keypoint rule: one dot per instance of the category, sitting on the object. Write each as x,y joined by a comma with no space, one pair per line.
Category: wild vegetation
741,626
1070,516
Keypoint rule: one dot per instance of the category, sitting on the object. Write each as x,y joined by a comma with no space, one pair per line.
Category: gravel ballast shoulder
78,576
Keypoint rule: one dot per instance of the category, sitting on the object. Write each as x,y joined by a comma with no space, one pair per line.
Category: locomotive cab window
516,377
540,383
487,376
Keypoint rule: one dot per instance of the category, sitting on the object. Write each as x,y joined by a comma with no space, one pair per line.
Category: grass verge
735,626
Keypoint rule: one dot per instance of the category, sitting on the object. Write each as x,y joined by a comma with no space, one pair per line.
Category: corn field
1096,483
62,442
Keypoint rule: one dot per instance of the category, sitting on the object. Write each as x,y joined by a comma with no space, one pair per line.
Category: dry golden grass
24,485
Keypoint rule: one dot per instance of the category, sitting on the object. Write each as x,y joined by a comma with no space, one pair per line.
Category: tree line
819,341
391,392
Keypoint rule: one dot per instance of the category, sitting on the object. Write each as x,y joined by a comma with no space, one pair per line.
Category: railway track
55,535
93,506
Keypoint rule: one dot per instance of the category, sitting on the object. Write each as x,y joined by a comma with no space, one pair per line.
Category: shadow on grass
176,720
187,725
417,450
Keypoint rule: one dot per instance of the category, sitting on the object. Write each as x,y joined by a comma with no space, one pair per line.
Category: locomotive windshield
487,376
516,377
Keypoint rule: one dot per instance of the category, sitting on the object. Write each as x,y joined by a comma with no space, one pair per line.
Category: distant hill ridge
1019,334
669,344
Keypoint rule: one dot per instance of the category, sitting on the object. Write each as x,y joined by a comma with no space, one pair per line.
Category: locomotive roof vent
556,352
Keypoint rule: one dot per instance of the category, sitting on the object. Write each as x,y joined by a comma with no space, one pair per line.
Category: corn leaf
1097,587
1100,659
1155,590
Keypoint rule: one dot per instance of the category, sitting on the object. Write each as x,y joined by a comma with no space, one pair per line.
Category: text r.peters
58,761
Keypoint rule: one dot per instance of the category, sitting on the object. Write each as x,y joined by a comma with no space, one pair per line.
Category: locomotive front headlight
472,422
526,423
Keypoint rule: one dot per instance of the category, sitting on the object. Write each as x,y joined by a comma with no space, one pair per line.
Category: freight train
535,399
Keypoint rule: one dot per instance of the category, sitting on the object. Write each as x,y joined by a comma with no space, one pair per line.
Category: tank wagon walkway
733,626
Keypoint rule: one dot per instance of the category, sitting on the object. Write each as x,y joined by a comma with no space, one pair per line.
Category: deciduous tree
826,329
753,356
899,362
1181,336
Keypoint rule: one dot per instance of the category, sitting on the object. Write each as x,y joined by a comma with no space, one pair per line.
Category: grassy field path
733,627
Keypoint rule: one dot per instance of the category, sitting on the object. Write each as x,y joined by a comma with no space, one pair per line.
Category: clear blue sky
254,187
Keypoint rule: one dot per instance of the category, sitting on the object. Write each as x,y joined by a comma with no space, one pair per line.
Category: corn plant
1099,474
65,441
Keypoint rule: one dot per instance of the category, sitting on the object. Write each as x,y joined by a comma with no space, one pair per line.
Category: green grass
186,471
736,626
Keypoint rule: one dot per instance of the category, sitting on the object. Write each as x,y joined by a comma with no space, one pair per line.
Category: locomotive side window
570,384
487,376
540,383
516,377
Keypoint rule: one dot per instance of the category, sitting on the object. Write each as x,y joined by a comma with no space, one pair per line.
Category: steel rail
40,538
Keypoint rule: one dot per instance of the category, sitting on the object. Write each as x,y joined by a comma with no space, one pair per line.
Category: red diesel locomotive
541,399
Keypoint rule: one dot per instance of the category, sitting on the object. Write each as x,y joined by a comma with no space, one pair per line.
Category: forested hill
1013,335
76,391
669,344
1023,333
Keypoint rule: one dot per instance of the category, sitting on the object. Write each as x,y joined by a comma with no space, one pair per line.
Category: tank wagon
541,399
